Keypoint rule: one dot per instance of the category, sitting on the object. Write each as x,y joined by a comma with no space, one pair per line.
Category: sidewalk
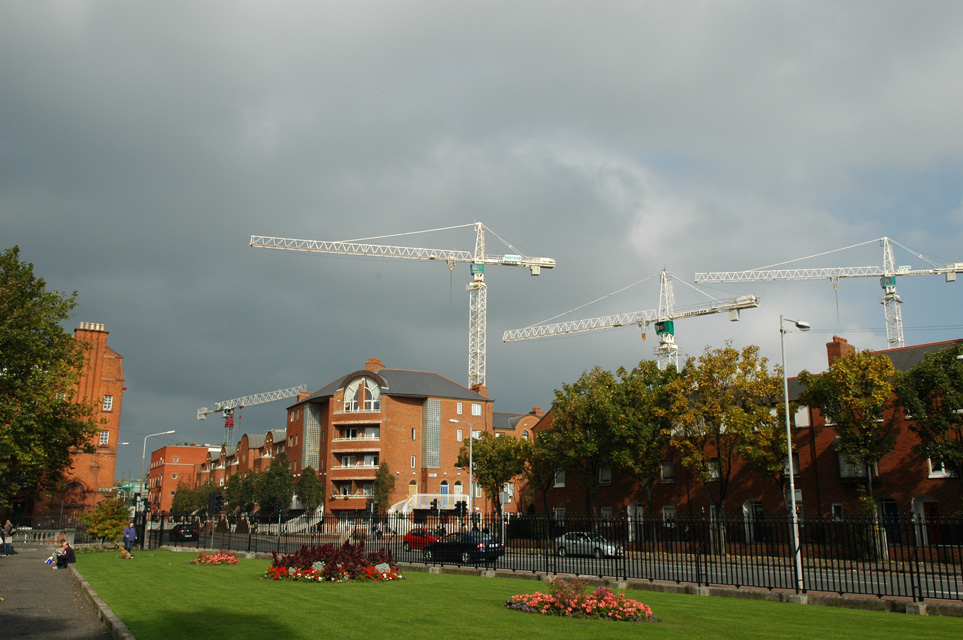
42,604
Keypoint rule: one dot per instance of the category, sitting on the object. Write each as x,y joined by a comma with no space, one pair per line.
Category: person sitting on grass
65,556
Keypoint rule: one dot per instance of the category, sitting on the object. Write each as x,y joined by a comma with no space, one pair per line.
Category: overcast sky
143,143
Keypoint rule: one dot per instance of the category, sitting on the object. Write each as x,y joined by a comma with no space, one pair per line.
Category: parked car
583,543
465,547
418,538
183,532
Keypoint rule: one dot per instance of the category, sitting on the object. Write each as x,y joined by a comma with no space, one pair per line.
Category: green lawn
160,596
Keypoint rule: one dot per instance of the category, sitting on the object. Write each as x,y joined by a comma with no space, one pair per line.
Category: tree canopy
721,410
276,487
932,394
384,484
496,461
310,489
854,396
41,421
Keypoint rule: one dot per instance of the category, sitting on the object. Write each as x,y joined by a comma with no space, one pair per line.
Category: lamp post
802,326
471,487
143,459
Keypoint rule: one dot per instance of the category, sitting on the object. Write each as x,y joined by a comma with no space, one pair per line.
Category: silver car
582,543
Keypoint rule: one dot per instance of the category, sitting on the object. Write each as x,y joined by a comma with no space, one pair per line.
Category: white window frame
605,475
715,469
559,515
938,470
476,408
104,438
668,515
458,408
413,462
459,434
108,403
559,478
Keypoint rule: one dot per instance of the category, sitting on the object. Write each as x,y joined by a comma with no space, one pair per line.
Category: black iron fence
907,556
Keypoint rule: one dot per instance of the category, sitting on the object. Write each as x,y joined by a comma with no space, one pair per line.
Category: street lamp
471,487
802,326
143,459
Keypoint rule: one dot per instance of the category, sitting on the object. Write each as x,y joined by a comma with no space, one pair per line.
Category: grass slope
160,596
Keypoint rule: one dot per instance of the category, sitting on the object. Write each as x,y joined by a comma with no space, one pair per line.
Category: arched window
458,488
362,394
412,488
444,487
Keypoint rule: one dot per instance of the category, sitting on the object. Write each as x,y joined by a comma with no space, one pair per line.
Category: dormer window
362,395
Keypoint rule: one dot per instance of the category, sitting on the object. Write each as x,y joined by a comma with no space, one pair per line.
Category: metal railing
904,556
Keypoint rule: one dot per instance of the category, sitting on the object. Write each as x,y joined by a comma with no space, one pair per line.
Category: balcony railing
362,438
356,466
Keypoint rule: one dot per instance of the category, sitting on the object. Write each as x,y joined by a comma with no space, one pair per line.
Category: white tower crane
227,407
478,297
887,279
664,317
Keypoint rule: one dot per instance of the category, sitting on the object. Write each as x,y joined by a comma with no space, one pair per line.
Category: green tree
721,402
644,404
41,421
108,520
854,395
931,393
276,486
189,499
586,422
542,458
310,490
384,484
496,461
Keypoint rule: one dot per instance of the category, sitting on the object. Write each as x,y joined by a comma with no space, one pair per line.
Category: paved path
42,604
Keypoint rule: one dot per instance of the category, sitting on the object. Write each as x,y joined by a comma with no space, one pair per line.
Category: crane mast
477,289
227,407
886,273
668,351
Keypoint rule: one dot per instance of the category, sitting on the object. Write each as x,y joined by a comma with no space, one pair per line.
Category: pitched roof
502,421
404,382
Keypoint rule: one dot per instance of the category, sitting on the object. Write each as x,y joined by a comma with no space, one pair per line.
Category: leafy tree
644,415
586,418
41,421
854,395
931,392
189,499
720,404
108,520
240,491
542,458
496,460
384,484
310,490
276,487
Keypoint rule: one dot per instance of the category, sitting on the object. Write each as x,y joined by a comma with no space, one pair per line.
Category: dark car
464,547
418,538
183,532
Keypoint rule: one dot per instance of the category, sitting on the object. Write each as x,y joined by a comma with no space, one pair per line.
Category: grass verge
160,596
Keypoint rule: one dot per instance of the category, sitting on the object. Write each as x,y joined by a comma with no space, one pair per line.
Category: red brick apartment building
171,467
91,477
415,421
826,483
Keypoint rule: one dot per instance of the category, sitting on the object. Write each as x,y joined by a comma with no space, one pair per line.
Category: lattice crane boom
887,273
227,407
667,351
248,401
477,289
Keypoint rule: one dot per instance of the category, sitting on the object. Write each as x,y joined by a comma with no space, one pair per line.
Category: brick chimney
838,348
374,365
480,389
537,412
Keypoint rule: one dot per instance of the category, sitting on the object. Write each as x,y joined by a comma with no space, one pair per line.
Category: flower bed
330,563
568,598
219,558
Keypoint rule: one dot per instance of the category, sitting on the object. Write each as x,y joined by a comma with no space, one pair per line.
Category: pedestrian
130,534
7,547
65,556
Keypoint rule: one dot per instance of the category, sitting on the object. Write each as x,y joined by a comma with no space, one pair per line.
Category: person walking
6,548
130,534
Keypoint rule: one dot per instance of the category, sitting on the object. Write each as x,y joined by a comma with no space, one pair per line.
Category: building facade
171,467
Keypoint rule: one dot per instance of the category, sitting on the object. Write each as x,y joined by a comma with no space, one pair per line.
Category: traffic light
434,505
460,509
215,502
